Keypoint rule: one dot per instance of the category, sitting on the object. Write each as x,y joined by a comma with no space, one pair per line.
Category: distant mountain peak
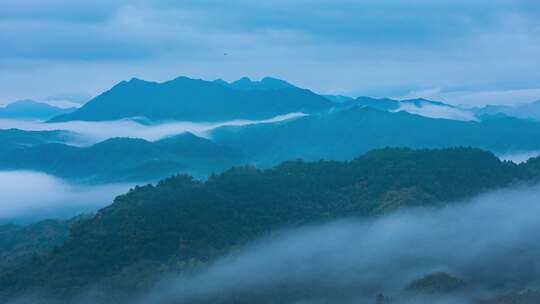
221,81
132,81
267,83
244,79
31,109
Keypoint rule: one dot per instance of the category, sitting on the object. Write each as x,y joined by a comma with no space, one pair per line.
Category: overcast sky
460,51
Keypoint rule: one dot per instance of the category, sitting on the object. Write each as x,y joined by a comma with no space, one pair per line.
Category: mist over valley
274,152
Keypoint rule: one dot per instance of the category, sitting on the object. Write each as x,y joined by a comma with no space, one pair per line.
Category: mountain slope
196,100
15,138
182,222
18,244
343,134
122,159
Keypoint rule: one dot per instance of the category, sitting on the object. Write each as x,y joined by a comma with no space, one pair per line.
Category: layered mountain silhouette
188,99
29,109
123,159
525,111
340,134
343,134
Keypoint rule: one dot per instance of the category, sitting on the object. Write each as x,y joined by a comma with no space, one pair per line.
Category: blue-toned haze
463,52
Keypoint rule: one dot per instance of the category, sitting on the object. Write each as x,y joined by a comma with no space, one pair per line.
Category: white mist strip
50,195
90,132
435,111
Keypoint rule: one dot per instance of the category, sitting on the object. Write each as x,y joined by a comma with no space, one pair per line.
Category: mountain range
122,159
341,134
196,100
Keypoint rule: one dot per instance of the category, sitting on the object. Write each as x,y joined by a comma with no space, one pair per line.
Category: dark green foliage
19,244
532,167
182,221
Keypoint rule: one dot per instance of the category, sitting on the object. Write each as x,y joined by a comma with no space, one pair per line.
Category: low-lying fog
492,242
90,132
29,196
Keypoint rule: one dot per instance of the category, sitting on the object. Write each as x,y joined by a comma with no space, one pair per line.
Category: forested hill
121,159
183,221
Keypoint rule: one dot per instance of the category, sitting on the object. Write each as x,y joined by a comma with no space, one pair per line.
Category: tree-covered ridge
19,244
121,159
11,139
181,221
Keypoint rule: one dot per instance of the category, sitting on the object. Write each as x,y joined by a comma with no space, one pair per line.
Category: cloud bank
91,132
28,196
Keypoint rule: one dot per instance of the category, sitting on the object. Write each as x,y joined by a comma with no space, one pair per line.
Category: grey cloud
368,23
353,47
